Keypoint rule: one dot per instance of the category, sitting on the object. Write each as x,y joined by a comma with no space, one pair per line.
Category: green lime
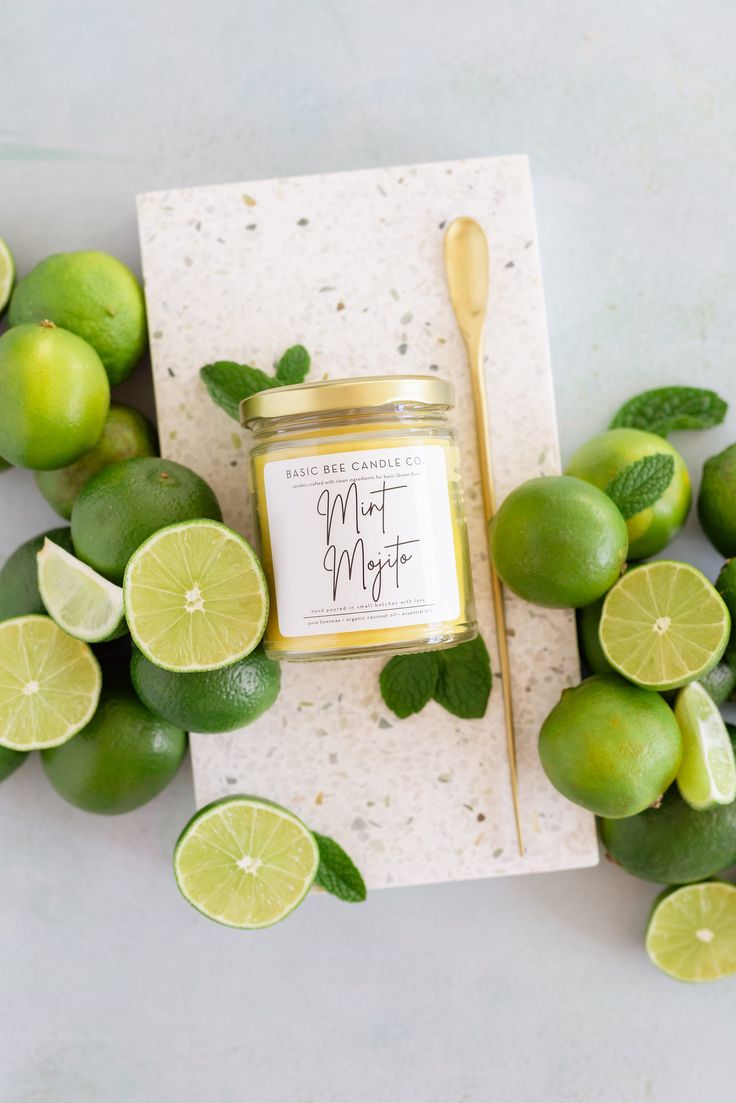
19,594
692,932
720,682
558,541
664,625
672,844
611,747
123,758
726,586
717,501
10,761
127,434
81,601
7,274
126,502
54,396
599,460
209,700
93,295
707,775
588,619
195,597
49,684
245,862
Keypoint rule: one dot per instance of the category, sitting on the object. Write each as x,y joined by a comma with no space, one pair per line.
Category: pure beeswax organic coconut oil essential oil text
360,513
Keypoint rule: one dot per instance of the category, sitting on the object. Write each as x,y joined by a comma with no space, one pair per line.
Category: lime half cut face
7,274
195,597
245,862
692,932
80,600
49,684
663,624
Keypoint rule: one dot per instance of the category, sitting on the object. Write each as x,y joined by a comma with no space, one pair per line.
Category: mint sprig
228,383
641,484
337,872
459,679
666,409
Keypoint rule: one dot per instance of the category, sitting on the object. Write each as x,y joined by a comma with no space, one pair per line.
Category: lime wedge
195,597
245,862
692,932
7,274
49,684
707,775
79,599
663,625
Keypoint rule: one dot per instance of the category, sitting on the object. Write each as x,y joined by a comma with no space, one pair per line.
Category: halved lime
195,597
7,274
707,775
49,684
245,862
692,932
663,625
79,599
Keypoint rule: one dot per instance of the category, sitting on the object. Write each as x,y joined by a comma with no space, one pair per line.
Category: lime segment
692,932
707,775
81,601
49,684
663,625
245,862
195,597
7,274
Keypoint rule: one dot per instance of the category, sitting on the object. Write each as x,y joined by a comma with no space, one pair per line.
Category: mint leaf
337,873
665,409
464,683
293,366
641,484
408,682
227,383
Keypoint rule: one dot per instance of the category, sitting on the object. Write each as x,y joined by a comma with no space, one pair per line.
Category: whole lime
610,746
93,295
123,758
720,682
717,501
126,502
588,619
558,541
209,700
19,594
10,761
54,396
673,844
600,459
127,434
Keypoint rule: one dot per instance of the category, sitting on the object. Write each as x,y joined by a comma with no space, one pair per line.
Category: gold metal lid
347,394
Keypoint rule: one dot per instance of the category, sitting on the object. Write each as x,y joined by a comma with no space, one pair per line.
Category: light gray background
112,990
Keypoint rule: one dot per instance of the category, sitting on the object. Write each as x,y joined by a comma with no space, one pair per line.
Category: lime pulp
81,601
707,774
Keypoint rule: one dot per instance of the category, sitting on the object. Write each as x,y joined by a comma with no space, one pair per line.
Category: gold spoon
466,264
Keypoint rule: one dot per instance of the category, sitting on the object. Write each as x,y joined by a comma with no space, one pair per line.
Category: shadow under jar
359,505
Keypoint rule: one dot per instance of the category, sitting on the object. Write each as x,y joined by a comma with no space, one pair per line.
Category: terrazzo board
351,266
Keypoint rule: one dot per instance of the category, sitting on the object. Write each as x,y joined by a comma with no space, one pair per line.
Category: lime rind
82,602
242,873
7,274
663,625
195,597
691,934
49,684
707,775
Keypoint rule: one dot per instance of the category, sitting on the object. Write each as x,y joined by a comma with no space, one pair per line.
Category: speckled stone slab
351,266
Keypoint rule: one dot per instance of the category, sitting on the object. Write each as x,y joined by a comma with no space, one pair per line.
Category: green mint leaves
665,409
459,679
228,383
337,873
641,484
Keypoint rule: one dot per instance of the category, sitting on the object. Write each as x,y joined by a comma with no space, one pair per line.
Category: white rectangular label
361,540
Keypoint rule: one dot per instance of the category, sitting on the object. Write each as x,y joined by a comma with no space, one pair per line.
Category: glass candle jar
359,506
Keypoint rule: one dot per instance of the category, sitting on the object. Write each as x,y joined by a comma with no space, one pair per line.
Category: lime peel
81,601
